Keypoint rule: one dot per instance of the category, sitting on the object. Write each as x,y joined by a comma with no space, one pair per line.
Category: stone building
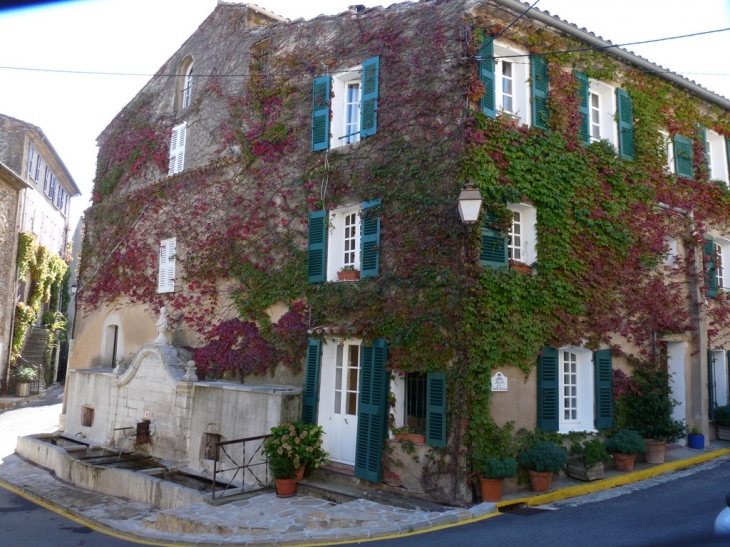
43,209
291,192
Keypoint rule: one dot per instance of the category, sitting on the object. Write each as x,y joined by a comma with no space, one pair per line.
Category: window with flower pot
597,110
575,389
716,258
344,244
504,71
519,245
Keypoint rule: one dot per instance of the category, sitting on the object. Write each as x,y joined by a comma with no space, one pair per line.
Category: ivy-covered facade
267,160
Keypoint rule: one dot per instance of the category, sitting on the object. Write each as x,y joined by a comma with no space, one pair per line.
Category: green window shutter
727,154
317,247
603,373
540,88
583,108
710,270
369,110
494,249
372,411
310,395
436,409
711,382
683,156
486,75
625,124
369,241
548,387
321,113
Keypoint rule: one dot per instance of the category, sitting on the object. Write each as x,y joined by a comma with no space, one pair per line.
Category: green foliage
25,374
545,457
499,468
526,439
293,445
625,441
592,451
722,415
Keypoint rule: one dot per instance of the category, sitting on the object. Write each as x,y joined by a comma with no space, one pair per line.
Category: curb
480,511
607,484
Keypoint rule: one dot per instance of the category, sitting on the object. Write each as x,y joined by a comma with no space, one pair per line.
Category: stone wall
8,249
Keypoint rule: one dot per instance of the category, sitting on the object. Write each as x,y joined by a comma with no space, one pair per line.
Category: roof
12,177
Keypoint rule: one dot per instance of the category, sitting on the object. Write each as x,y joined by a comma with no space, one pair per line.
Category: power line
246,74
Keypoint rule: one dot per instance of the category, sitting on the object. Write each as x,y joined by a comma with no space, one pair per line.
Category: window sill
346,148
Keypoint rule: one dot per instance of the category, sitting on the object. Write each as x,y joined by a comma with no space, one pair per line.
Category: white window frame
336,240
585,391
720,375
31,153
669,147
717,160
521,106
187,90
607,124
178,139
37,168
340,134
166,266
722,250
528,233
672,251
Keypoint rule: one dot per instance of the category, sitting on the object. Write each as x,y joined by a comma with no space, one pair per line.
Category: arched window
184,84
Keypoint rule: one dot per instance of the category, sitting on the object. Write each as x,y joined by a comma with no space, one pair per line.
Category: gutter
616,51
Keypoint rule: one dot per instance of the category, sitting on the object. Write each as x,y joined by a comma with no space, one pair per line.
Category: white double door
339,394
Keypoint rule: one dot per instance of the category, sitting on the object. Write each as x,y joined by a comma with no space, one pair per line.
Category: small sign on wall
147,412
499,382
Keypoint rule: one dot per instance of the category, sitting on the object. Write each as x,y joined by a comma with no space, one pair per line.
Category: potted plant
696,439
624,446
493,471
348,273
520,267
404,434
541,462
722,422
586,460
24,375
648,408
290,448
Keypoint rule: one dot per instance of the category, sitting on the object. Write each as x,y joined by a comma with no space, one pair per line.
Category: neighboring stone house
44,205
262,165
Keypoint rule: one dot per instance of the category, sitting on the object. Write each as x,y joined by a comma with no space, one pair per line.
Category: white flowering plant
294,445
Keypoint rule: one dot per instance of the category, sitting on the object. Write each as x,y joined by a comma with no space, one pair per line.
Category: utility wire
246,74
505,29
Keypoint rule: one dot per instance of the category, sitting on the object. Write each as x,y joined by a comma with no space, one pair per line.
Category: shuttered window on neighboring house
683,157
373,407
177,148
487,77
166,271
540,87
625,124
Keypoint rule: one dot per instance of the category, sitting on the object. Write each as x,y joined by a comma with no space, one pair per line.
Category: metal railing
35,385
242,463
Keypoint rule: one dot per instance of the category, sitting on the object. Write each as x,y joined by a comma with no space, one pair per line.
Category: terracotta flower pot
655,451
300,473
414,437
286,487
540,482
623,462
350,275
491,489
525,269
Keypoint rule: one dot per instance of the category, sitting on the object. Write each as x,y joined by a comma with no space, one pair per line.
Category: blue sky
138,36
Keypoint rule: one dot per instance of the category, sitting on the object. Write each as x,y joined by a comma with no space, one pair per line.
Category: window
177,148
716,255
347,370
719,272
672,252
625,117
575,389
31,152
519,244
540,88
504,73
597,109
716,154
344,238
718,378
37,168
344,106
183,85
166,275
46,180
683,156
52,187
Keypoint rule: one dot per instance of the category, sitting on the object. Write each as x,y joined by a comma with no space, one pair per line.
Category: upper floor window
518,245
344,239
716,254
716,153
183,84
504,73
37,168
597,109
166,272
177,148
345,106
31,153
46,180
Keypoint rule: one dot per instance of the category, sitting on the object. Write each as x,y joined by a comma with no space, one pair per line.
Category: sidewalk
269,520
